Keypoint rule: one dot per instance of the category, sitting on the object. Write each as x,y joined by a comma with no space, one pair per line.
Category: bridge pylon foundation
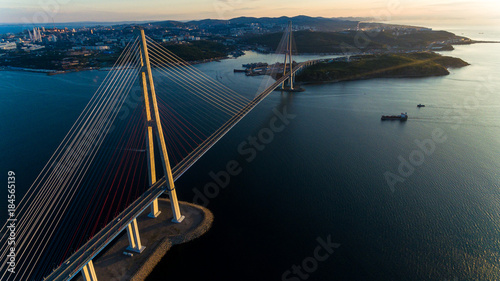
291,90
134,239
154,209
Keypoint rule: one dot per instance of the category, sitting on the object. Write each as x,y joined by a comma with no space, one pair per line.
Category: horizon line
146,21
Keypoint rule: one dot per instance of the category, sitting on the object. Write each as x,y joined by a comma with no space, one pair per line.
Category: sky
400,11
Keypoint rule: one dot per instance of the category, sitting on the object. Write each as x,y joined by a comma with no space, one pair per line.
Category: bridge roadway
72,266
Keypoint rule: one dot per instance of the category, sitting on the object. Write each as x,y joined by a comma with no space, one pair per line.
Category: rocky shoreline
166,243
158,235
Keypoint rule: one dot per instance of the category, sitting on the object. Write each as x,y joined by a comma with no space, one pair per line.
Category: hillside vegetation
347,41
199,50
422,64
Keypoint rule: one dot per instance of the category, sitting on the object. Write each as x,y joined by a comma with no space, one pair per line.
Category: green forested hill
340,42
379,66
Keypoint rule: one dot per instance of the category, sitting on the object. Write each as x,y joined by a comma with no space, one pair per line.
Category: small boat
420,105
400,117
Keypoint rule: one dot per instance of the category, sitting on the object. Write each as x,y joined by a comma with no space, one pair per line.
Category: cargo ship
401,117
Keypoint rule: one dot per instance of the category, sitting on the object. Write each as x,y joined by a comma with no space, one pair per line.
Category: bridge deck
94,246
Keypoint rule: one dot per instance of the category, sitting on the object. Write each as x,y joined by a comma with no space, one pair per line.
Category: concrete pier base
287,89
134,239
178,220
154,209
158,235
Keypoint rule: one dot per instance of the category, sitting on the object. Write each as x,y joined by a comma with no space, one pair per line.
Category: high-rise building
39,35
36,36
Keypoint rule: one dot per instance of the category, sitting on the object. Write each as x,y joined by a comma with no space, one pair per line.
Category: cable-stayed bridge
151,119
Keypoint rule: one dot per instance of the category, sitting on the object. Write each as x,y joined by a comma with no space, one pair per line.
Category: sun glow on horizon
444,11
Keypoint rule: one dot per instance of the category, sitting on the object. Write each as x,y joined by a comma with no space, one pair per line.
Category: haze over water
323,175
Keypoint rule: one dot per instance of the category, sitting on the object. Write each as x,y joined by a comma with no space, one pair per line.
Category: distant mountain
356,18
209,22
169,23
318,23
338,42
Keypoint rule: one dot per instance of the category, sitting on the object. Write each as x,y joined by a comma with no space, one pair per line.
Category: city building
8,46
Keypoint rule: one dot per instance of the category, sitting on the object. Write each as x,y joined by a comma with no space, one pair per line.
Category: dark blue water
321,177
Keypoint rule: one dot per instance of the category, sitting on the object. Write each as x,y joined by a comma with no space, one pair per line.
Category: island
400,65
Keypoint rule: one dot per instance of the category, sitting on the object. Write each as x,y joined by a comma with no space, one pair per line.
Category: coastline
364,67
481,42
218,59
166,243
104,68
366,78
46,71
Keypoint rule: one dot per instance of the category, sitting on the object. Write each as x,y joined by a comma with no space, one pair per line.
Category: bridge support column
154,209
178,218
134,239
88,272
150,145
